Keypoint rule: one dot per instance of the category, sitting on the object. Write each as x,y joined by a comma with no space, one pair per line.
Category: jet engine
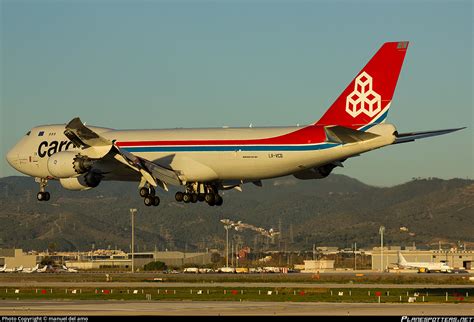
316,173
83,182
67,164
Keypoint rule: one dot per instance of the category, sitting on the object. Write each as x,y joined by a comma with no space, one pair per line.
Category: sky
167,64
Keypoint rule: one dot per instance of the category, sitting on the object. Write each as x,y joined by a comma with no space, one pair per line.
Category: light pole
133,211
227,245
381,231
355,256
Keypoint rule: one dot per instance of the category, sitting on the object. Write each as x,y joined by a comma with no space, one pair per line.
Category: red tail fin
367,98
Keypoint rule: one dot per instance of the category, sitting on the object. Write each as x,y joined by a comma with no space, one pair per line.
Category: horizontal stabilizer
412,136
343,135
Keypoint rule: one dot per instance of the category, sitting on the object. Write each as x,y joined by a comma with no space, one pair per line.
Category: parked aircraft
424,267
69,270
2,269
43,269
31,270
13,269
205,161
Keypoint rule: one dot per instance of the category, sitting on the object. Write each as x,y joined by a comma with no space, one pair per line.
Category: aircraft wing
97,147
148,169
94,145
412,136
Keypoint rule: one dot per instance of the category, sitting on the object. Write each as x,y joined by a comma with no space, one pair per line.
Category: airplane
43,269
424,266
13,269
203,162
31,270
69,270
2,269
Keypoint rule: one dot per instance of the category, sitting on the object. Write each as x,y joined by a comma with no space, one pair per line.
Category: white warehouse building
457,259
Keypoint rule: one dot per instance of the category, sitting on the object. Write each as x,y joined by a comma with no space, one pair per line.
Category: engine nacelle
67,164
316,173
82,182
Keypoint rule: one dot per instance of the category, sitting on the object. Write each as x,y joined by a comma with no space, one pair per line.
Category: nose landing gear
42,195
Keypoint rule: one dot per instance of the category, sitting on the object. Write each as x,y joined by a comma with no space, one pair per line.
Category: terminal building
16,257
124,260
387,259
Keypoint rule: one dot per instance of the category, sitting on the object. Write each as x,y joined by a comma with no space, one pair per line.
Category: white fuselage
231,154
442,267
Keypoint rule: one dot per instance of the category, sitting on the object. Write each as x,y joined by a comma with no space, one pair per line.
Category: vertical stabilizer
367,98
401,259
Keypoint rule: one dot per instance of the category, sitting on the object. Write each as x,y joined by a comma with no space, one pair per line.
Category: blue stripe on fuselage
230,148
378,121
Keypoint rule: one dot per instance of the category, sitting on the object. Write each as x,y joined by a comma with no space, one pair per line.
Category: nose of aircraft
12,156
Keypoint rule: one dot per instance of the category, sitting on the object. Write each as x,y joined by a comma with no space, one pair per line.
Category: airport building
16,258
454,258
316,266
124,260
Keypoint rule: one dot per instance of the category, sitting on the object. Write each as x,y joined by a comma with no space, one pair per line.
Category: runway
228,284
226,308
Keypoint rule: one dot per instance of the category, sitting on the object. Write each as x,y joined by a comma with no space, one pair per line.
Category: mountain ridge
335,211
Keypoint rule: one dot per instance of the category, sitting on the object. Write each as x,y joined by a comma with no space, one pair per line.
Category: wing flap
143,165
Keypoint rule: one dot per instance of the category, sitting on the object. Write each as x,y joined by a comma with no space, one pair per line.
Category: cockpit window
28,133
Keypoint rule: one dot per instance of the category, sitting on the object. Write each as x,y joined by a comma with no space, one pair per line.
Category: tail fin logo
363,99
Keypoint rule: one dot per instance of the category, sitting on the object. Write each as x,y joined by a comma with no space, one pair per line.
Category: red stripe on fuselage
308,135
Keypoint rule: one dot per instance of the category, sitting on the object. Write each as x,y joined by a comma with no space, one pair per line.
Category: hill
336,211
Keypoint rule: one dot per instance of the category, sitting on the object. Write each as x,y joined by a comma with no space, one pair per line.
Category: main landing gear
42,195
193,194
148,195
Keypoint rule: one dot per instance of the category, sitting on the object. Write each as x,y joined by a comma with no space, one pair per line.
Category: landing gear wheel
213,203
156,201
187,197
210,198
201,197
43,196
151,191
219,200
143,192
149,200
179,196
194,198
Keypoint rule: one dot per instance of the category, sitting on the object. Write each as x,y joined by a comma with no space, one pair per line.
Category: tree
155,266
47,261
215,258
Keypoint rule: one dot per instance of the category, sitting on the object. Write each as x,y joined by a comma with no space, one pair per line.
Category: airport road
87,308
34,284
